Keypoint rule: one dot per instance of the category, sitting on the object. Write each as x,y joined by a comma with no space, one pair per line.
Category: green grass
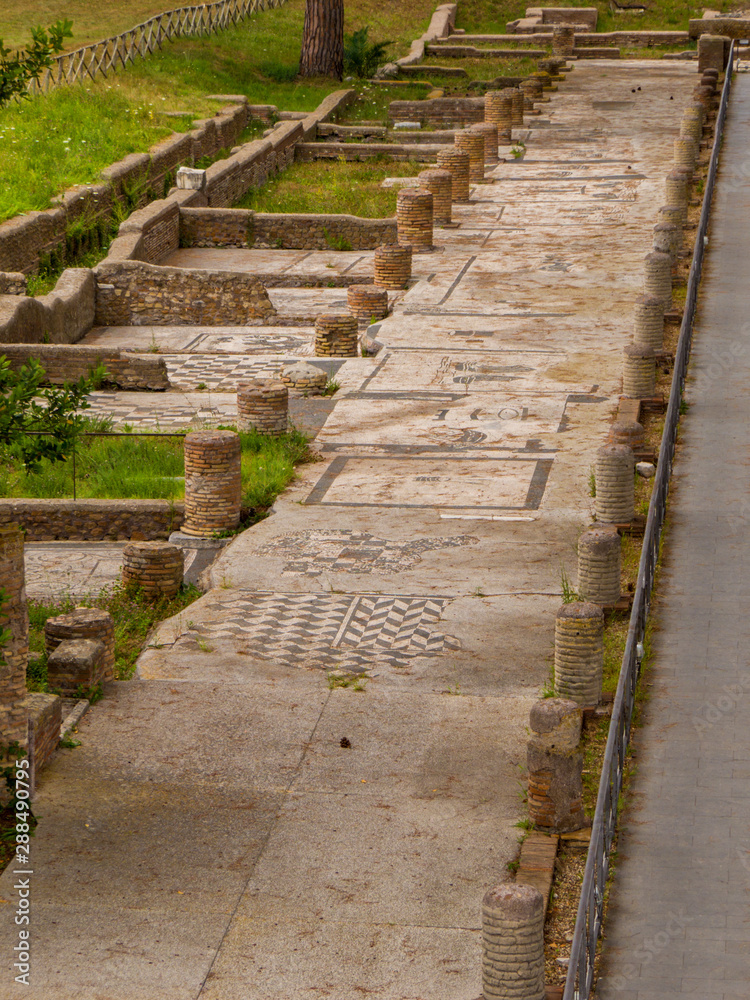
373,101
344,188
133,615
490,17
152,468
481,69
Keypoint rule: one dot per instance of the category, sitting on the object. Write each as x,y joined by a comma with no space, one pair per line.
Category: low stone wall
45,719
729,27
93,520
62,317
131,293
12,283
68,364
424,152
240,227
441,25
439,110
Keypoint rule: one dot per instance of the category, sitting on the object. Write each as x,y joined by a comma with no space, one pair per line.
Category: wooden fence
104,57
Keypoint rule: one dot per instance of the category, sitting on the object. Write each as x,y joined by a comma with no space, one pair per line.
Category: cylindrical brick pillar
513,943
458,166
392,265
532,91
629,432
705,97
498,109
615,484
263,406
545,78
691,125
472,143
440,184
579,653
156,567
414,218
336,335
710,53
15,653
672,214
668,239
308,380
563,40
213,483
657,278
84,623
488,131
599,564
710,77
648,321
516,107
675,192
638,371
685,154
554,766
367,302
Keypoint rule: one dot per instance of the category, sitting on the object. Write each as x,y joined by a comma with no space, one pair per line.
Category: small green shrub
361,56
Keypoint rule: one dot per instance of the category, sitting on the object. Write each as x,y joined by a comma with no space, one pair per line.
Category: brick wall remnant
131,293
68,363
157,568
392,265
84,623
579,653
470,142
446,111
336,335
15,653
414,217
213,483
555,766
599,564
563,40
513,943
440,184
615,484
367,302
262,406
458,165
44,713
45,520
711,53
76,666
62,317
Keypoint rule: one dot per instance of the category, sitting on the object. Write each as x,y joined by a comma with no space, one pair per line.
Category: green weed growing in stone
569,594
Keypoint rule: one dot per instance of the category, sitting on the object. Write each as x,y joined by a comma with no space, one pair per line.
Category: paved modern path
213,836
679,923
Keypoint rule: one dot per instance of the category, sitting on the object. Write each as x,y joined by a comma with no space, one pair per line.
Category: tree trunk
323,39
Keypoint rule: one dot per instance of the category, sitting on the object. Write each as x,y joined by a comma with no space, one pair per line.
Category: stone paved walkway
213,837
679,923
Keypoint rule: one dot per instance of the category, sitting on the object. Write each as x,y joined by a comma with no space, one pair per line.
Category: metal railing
106,56
590,910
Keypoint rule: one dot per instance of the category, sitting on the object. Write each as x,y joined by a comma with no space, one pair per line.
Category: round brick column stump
691,125
710,53
336,336
304,378
599,561
657,278
517,107
579,653
392,264
628,432
705,97
213,483
639,371
414,218
563,40
156,567
498,110
673,215
555,766
458,166
263,407
366,302
615,484
668,239
545,78
685,154
15,654
532,91
472,143
440,185
710,77
675,191
488,131
513,943
84,623
648,321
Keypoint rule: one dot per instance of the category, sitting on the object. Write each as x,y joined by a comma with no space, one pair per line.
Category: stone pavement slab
678,919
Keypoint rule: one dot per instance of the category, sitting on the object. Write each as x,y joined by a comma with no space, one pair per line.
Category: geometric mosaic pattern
327,631
318,551
220,371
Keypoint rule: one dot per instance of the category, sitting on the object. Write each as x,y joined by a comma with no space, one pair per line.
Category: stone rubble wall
133,293
63,363
205,227
46,520
61,317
